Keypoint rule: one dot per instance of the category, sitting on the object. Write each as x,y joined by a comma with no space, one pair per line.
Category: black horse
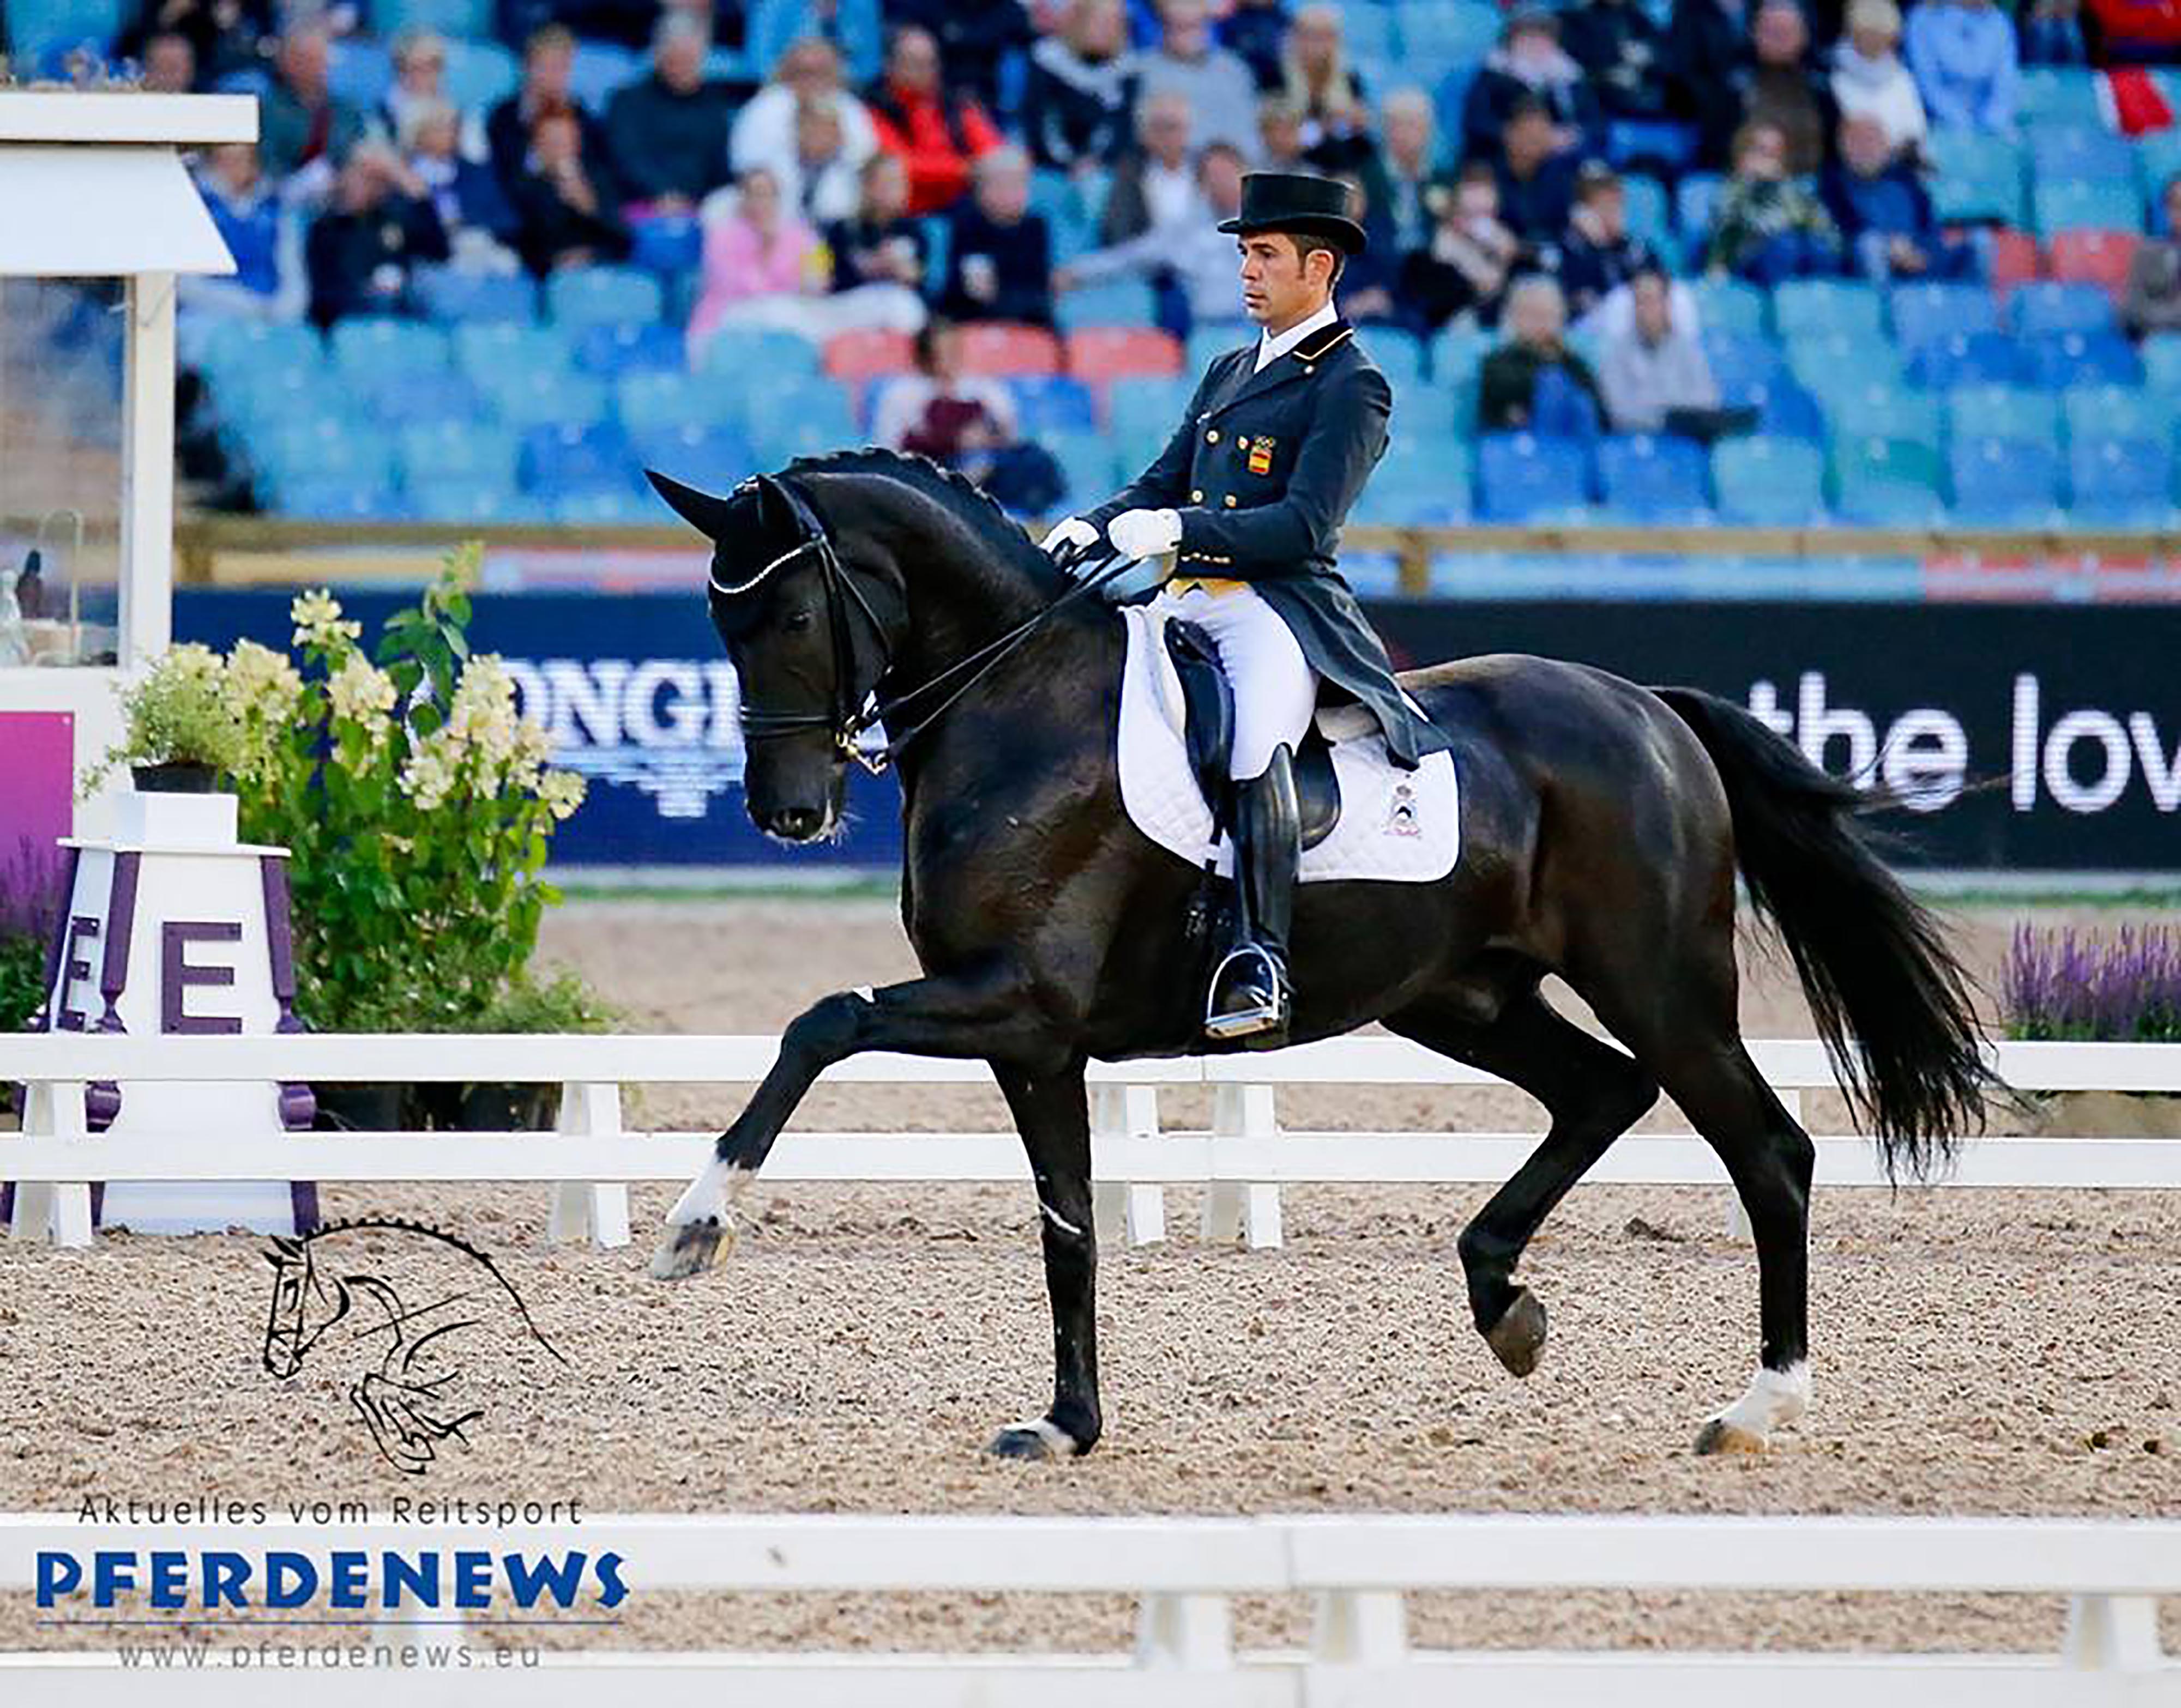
1603,824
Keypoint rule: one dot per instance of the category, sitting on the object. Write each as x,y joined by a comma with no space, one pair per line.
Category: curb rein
849,717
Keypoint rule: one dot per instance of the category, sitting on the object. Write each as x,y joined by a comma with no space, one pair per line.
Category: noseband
853,713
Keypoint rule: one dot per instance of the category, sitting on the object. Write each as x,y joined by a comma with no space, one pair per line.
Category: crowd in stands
1570,210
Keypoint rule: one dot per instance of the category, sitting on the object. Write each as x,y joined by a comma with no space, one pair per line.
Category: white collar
1270,349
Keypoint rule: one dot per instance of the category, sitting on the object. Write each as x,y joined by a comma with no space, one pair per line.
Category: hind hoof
689,1250
1517,1339
1039,1439
1720,1436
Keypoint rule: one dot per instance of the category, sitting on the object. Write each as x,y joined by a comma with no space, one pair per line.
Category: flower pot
175,777
2110,1114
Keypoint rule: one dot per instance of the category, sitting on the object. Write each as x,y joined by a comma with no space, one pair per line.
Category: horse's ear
703,511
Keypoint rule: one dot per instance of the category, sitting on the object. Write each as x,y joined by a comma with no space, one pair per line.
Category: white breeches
1275,689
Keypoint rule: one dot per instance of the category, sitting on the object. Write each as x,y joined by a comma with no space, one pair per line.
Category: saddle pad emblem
1402,818
1261,455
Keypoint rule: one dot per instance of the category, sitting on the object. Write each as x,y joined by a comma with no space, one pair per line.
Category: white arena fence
1182,1572
1245,1159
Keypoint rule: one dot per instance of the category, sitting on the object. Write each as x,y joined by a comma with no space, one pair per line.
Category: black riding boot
1250,993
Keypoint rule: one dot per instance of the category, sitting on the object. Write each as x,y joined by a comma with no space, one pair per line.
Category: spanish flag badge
1261,455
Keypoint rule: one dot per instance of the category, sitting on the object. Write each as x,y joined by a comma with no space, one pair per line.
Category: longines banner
2043,737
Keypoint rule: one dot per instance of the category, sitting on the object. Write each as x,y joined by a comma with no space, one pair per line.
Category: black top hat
1296,201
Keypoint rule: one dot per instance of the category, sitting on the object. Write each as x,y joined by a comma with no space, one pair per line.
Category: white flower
264,680
318,619
361,692
562,792
429,778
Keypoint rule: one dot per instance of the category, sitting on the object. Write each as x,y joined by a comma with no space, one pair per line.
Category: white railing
1245,1159
1182,1572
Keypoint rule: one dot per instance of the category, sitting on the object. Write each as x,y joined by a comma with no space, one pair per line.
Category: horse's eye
798,621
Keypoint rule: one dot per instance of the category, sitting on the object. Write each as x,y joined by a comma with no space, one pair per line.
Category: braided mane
953,492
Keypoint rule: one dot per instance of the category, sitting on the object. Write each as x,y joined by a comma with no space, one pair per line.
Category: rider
1250,494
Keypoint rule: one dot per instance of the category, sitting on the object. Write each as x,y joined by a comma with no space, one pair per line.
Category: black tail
1892,1002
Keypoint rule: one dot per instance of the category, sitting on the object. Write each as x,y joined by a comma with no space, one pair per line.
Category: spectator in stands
301,122
1154,187
1534,382
376,229
973,35
966,423
549,62
420,74
2151,301
1966,62
1596,253
1707,51
1315,74
1368,280
1407,170
765,131
938,131
999,253
1869,82
2050,32
1279,136
1195,261
1536,179
819,184
1884,212
270,282
1786,90
1254,32
1654,375
567,210
170,64
473,211
666,133
880,244
1529,68
1218,85
1623,52
1767,228
1472,253
853,29
760,257
222,35
1076,107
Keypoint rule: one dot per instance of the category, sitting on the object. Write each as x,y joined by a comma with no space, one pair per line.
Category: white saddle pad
1396,826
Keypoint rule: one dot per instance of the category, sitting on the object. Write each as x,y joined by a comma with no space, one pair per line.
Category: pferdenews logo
242,1582
666,726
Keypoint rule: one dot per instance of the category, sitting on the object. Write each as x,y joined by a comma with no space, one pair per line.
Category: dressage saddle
1208,705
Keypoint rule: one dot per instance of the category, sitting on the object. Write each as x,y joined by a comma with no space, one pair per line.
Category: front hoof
689,1250
1720,1436
1517,1339
1040,1438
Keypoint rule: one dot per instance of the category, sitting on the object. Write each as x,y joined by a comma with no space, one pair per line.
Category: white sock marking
1057,1441
1773,1397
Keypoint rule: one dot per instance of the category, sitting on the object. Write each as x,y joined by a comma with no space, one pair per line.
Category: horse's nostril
797,822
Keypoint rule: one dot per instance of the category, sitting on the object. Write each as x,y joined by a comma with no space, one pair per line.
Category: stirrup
1226,1025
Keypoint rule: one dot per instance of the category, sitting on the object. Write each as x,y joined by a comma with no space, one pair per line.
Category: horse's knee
828,1029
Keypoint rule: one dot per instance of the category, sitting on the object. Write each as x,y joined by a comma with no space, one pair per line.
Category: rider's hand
1144,533
1074,533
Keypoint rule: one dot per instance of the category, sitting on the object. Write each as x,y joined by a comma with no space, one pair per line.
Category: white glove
1144,533
1073,530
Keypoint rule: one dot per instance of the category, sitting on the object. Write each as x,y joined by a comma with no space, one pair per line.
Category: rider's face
1279,285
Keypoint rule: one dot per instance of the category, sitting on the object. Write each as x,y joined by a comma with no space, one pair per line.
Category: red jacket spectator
936,133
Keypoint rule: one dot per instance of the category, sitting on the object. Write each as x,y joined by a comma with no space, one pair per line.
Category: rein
846,720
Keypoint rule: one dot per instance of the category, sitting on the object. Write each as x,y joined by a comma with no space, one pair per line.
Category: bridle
852,714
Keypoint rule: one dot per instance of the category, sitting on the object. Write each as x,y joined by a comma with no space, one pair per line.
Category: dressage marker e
1604,825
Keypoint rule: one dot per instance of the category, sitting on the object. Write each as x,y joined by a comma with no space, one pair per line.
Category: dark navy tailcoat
1263,471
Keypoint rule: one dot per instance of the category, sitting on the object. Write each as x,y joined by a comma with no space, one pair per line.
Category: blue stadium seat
1651,478
1521,478
2161,360
379,343
1993,195
1141,407
457,451
328,449
1650,213
1977,358
488,351
737,352
1209,339
1436,36
587,296
601,69
1456,353
38,26
2077,204
1832,365
1886,412
544,397
336,500
625,346
234,347
1860,459
450,18
1727,305
804,418
1054,403
2057,94
1746,368
1786,411
402,396
670,244
2080,151
714,458
1110,302
2075,358
1694,198
602,507
571,456
2094,412
2042,307
1767,481
1416,491
2004,481
458,500
1396,351
649,400
1925,313
2121,480
359,72
449,295
2003,411
1088,463
480,73
1827,307
1875,502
